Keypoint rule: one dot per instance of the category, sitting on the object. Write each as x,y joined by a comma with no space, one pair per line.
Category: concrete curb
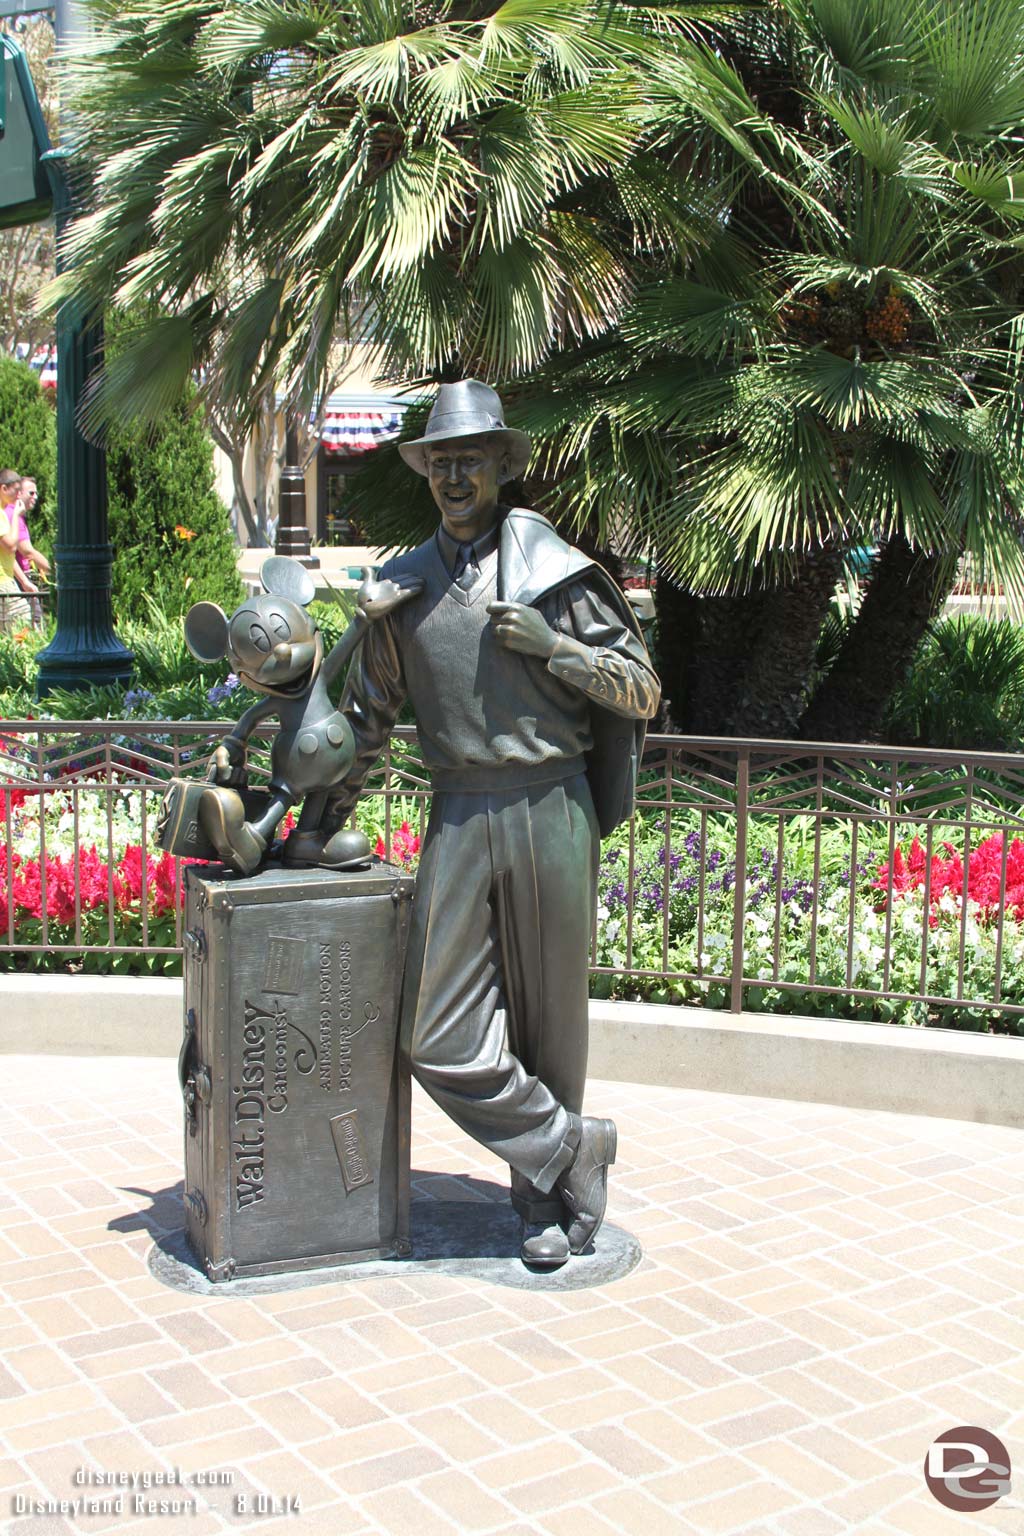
44,1015
941,1072
829,1061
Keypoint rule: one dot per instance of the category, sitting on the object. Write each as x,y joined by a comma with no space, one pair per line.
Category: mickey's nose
283,652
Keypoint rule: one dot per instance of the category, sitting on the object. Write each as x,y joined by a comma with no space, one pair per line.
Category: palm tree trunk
780,652
677,638
738,666
720,660
906,590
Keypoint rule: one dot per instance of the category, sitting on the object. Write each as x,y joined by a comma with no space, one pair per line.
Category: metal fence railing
879,882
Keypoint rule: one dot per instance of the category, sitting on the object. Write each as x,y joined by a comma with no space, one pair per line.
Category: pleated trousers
494,1004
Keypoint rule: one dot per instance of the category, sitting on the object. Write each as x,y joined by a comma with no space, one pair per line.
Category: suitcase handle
193,1079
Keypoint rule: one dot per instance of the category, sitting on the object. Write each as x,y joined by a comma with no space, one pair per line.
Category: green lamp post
33,183
85,650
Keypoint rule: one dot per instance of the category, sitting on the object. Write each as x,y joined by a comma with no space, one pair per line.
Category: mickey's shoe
222,816
543,1247
347,849
584,1185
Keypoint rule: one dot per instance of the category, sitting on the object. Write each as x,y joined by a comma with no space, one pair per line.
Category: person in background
14,610
27,555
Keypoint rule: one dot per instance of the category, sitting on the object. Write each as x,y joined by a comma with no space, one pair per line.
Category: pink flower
405,846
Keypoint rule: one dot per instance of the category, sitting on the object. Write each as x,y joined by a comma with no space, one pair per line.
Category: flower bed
855,919
805,950
86,869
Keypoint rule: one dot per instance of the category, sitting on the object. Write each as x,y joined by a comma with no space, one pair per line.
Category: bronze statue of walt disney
531,686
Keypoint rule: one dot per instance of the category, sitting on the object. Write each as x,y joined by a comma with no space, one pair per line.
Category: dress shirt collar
482,547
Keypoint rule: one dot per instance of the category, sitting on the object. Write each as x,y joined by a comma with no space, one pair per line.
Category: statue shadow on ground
162,1216
459,1225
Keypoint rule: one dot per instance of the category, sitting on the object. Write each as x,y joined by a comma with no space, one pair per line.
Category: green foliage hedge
169,529
168,682
28,442
965,689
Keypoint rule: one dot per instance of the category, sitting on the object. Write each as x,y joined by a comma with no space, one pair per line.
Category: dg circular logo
967,1468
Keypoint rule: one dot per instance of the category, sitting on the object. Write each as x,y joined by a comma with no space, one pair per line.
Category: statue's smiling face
466,476
270,641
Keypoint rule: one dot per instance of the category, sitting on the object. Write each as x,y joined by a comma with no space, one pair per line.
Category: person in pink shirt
27,555
14,610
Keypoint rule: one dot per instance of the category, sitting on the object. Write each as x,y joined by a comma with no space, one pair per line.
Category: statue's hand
227,765
521,628
376,598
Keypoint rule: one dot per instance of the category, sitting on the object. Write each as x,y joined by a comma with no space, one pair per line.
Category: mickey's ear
287,578
206,631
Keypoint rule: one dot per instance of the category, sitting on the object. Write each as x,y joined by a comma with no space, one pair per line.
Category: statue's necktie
466,568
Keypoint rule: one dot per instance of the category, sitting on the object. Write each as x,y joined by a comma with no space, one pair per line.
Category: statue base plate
474,1239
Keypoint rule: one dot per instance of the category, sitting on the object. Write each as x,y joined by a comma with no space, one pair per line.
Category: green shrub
28,442
169,529
18,672
965,689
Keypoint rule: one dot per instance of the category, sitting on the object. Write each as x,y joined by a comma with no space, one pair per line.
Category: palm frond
149,375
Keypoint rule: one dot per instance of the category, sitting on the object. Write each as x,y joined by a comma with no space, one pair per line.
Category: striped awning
44,363
353,432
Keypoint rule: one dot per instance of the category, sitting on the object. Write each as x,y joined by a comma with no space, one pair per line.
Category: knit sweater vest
488,718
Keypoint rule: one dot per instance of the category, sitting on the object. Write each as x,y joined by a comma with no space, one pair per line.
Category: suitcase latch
195,944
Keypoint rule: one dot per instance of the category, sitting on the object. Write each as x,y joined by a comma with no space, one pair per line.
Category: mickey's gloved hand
227,765
376,598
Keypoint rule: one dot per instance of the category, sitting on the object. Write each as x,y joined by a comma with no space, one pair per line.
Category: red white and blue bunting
355,432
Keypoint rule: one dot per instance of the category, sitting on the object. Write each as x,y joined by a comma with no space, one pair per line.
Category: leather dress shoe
543,1247
584,1184
222,816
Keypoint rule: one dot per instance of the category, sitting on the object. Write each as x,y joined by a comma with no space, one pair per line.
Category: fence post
739,903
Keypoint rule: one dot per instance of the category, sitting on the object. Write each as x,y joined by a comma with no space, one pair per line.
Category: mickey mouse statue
277,650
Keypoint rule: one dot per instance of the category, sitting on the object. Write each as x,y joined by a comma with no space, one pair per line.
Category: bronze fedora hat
467,409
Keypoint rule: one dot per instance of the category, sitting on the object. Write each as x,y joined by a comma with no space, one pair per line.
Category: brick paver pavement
823,1292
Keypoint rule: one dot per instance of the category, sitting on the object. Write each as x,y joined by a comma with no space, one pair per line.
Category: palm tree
754,268
463,182
839,366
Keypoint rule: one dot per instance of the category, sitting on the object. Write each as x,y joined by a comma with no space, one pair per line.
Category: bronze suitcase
178,829
295,1092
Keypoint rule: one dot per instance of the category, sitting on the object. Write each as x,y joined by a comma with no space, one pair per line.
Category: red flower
132,881
987,889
